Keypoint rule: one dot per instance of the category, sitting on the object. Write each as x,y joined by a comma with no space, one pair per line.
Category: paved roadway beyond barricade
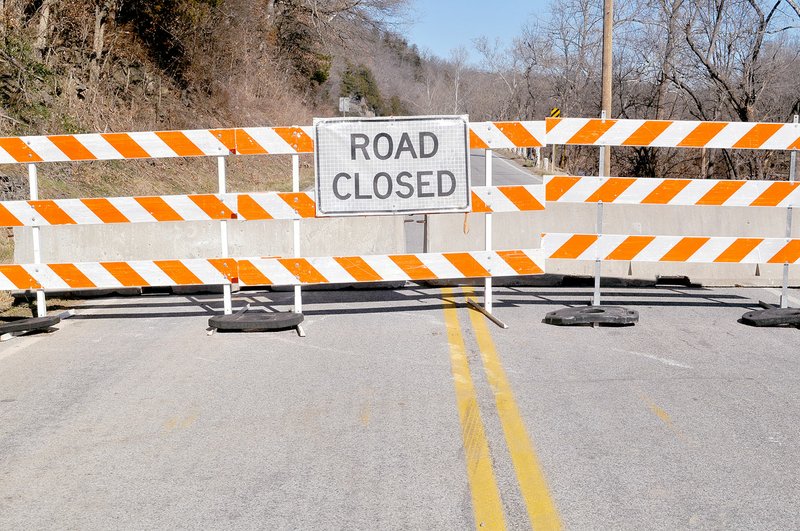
407,410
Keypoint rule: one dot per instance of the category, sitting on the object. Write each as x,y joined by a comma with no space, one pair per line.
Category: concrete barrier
201,239
511,230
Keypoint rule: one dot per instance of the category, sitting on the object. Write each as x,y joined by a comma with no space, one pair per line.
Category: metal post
487,301
792,171
223,236
298,297
33,181
603,171
785,285
597,261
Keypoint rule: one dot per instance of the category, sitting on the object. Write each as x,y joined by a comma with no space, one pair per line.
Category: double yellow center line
486,499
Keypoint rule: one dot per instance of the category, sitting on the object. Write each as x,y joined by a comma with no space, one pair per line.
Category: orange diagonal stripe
71,147
251,275
158,208
125,145
521,198
178,272
19,150
702,134
476,142
740,248
684,249
19,277
297,138
575,246
757,135
630,247
776,193
520,262
300,202
246,144
51,212
358,268
303,270
248,208
212,206
226,266
180,143
7,219
478,204
413,267
610,190
646,133
103,209
550,123
665,191
73,276
558,186
789,254
467,265
227,137
591,132
518,134
125,274
720,192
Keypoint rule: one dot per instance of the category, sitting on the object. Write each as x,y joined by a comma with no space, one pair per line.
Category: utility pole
605,103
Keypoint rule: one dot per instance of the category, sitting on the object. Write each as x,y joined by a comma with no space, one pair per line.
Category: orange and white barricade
227,207
677,192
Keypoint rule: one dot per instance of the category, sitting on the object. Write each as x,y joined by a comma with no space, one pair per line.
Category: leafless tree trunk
43,28
103,12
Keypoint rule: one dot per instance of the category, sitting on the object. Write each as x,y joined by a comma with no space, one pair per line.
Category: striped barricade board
680,192
205,207
272,271
221,142
689,249
672,133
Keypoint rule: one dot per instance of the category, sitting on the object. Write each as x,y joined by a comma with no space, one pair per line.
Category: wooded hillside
113,65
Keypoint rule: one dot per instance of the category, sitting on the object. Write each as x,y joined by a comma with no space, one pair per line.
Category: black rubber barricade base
773,317
33,324
255,321
591,315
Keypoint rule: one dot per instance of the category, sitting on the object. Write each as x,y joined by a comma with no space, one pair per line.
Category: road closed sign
391,165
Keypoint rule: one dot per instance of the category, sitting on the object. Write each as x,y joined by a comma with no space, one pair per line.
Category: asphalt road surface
505,170
404,410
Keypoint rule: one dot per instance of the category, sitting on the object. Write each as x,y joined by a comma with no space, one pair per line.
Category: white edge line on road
535,178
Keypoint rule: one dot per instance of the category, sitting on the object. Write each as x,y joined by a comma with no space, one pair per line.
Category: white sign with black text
391,165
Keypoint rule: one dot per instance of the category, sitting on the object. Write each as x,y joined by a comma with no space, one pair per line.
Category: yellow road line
533,485
486,504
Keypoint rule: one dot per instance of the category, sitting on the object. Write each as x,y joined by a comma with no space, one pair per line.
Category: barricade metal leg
486,309
223,228
33,180
785,283
597,261
298,295
792,170
487,300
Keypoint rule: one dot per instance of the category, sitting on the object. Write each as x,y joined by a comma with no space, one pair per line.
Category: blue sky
441,25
